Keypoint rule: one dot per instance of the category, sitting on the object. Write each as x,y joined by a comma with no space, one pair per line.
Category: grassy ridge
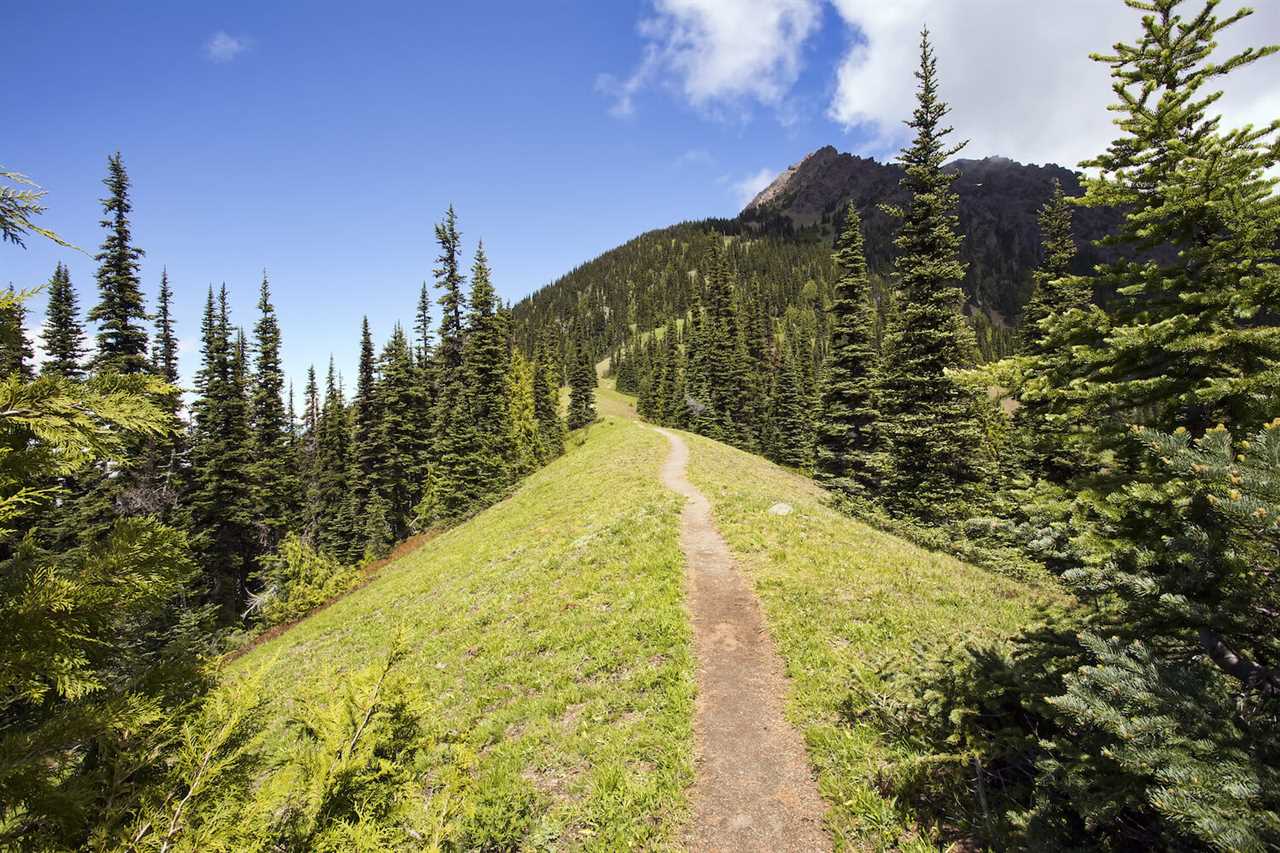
548,640
842,600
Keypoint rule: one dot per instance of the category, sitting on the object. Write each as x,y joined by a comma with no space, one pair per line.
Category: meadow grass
549,645
843,600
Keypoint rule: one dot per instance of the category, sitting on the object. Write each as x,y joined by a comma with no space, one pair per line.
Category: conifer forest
928,503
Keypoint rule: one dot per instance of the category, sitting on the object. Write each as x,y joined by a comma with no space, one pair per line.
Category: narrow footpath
754,790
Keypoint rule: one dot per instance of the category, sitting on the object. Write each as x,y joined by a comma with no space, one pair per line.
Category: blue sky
321,143
326,148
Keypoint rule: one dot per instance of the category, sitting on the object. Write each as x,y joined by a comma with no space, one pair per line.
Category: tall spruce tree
120,312
272,428
847,446
63,333
930,422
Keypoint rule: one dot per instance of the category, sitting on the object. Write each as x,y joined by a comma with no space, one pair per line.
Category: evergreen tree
401,471
1054,291
334,532
524,442
582,382
15,347
101,655
120,312
546,400
846,452
452,301
63,334
487,359
367,452
221,504
164,346
272,428
931,427
792,416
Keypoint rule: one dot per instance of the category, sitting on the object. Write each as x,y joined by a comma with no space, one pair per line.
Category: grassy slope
550,639
842,600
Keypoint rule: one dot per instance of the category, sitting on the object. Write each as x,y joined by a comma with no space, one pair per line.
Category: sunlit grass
842,600
548,641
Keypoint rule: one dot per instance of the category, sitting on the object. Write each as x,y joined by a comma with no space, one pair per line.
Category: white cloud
749,187
223,47
695,157
719,52
1017,72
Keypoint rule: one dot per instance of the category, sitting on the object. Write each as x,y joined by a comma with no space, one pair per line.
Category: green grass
842,600
549,638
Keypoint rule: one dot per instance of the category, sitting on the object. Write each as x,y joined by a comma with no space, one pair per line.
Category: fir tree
792,416
582,382
452,301
334,532
486,361
930,423
63,334
401,471
1054,290
164,346
120,312
221,505
367,451
271,428
847,445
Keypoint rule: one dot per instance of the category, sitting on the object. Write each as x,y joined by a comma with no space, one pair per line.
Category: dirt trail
754,789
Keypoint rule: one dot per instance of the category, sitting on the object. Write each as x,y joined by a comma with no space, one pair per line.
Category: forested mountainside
788,229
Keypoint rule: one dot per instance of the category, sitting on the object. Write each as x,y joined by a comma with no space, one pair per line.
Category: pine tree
546,400
120,312
271,428
930,423
63,334
15,347
582,382
846,452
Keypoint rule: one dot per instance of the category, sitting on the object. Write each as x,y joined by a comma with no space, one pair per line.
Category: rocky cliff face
999,199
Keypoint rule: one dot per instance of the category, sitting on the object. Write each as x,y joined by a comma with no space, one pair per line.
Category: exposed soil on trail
754,788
